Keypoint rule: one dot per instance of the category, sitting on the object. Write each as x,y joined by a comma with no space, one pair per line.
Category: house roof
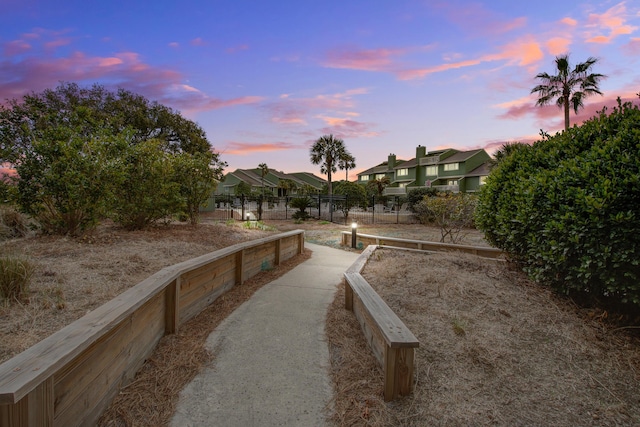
460,157
482,170
407,164
252,178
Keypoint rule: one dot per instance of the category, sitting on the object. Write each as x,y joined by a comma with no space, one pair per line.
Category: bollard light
248,216
354,230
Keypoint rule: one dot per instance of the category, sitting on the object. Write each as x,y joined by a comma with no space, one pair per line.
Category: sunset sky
266,78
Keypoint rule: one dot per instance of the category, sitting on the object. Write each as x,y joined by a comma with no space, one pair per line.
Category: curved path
271,365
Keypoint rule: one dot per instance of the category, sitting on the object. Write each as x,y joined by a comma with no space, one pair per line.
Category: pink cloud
37,72
348,128
238,48
476,19
54,44
16,47
612,22
523,52
365,59
558,45
245,148
633,47
174,45
290,110
569,21
197,42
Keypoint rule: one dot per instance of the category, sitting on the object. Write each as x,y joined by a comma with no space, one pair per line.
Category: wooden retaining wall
70,378
368,239
388,337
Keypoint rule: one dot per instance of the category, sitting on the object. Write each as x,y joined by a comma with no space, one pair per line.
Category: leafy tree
569,87
416,195
197,180
147,193
90,110
66,179
326,152
451,212
242,188
287,185
377,186
355,195
568,208
346,161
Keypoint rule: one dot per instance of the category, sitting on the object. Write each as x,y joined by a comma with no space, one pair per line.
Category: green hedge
568,207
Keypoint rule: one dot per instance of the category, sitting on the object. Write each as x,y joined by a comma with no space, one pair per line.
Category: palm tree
264,171
346,161
326,152
568,88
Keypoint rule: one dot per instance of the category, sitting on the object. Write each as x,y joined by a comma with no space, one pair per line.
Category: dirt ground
495,349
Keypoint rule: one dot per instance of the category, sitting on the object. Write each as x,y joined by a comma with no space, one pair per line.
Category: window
380,175
402,185
483,180
402,172
432,170
451,166
452,182
364,178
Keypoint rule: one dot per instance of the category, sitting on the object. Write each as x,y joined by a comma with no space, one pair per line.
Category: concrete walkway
271,358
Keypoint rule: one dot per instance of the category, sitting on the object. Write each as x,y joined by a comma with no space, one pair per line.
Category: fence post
242,204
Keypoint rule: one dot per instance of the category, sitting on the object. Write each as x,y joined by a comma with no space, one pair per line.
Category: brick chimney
391,161
421,151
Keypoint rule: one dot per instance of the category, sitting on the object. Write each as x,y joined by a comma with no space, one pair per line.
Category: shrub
568,207
451,212
15,275
12,223
416,195
301,203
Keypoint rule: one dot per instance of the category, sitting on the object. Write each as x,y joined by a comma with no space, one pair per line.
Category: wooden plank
398,372
240,268
362,259
393,329
276,260
172,307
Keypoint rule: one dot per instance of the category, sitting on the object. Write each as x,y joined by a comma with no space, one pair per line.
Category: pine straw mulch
495,349
150,399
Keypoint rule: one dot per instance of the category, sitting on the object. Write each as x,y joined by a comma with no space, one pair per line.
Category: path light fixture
248,216
354,230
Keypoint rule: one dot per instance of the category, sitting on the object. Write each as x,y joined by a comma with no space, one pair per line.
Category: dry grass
494,350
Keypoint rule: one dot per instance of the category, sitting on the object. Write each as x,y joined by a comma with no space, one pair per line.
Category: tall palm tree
326,152
264,171
346,161
569,87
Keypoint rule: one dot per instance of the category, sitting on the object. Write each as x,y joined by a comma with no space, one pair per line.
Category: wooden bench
388,337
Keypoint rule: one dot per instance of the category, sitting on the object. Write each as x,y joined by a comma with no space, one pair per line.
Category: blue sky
265,79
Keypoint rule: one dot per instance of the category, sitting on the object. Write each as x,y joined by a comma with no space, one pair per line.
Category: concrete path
271,364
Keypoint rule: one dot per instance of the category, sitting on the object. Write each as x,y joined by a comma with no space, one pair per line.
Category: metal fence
337,208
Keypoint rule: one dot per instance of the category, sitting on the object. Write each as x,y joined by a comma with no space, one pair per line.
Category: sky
265,79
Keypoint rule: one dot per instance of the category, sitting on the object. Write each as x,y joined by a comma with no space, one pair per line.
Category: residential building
272,182
447,170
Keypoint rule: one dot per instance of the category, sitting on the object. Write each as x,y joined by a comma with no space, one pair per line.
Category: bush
301,203
15,275
12,223
568,207
415,196
451,212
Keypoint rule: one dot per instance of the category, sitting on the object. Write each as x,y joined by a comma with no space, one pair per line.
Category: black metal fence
338,209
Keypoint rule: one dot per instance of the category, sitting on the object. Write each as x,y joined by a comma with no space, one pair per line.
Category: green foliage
15,275
568,207
146,191
242,188
355,195
451,212
416,195
196,179
327,151
65,179
301,203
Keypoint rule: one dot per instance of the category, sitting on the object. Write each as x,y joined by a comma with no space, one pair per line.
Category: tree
197,180
377,186
287,185
567,208
326,152
242,188
346,161
569,87
355,195
451,212
264,171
